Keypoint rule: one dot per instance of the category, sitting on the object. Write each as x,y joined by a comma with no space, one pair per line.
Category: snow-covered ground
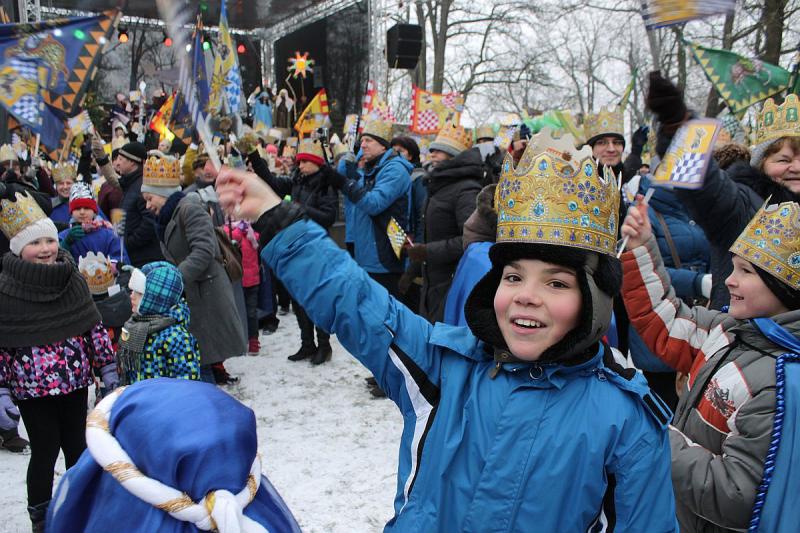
328,446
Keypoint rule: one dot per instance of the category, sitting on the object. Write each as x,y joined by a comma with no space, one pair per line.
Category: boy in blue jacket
522,421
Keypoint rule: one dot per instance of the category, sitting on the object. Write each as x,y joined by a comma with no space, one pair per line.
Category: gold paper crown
555,195
98,272
376,126
19,214
484,132
310,146
62,171
771,241
775,122
608,121
162,170
7,153
454,136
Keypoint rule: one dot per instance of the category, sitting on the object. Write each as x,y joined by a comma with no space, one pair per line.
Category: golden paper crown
484,132
771,241
453,136
775,122
63,171
608,121
98,272
555,195
7,153
376,126
19,214
311,146
162,170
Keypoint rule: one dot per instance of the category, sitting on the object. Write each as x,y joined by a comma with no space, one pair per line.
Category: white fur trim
138,281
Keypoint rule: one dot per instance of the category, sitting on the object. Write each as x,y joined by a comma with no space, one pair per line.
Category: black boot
38,513
12,441
323,354
303,353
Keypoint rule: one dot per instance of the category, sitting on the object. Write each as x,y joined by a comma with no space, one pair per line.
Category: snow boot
303,353
253,346
323,354
221,376
38,513
13,442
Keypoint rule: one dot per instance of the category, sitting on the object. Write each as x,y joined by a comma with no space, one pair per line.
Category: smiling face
43,250
536,305
783,165
63,187
608,150
750,297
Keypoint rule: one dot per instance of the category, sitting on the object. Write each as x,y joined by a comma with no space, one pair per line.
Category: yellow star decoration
300,65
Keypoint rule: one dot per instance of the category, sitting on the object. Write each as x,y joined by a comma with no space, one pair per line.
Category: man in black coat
139,232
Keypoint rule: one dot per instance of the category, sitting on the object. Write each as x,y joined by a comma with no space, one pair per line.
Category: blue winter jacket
101,240
695,256
383,192
538,448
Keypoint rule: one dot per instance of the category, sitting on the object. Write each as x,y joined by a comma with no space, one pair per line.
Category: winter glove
349,157
417,253
639,139
665,101
335,179
9,413
75,234
110,377
98,152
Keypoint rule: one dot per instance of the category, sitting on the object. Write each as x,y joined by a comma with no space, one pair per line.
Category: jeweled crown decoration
18,214
606,121
98,272
774,122
162,171
375,125
64,171
771,241
455,136
555,195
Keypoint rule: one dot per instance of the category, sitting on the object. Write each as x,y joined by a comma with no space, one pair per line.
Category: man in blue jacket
373,194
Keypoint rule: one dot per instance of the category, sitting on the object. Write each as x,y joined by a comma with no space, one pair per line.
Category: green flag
740,81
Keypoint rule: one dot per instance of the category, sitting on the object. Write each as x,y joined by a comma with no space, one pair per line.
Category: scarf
132,341
43,304
165,215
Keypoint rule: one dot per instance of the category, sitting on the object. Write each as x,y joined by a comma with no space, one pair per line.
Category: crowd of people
521,349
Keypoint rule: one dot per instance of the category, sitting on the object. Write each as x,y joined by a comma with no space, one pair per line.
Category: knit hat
23,221
163,287
80,195
310,150
451,139
134,151
788,296
162,174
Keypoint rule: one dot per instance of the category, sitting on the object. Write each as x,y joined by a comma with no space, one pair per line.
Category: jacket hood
760,183
466,165
599,279
481,226
163,288
180,312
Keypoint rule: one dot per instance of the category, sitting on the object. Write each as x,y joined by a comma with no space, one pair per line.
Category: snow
327,445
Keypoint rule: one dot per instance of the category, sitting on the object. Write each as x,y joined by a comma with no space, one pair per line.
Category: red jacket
250,261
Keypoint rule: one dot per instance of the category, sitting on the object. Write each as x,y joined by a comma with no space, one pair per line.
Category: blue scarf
777,504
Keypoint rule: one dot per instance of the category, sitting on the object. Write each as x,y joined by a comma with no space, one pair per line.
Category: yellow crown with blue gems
774,122
17,214
607,121
556,195
771,241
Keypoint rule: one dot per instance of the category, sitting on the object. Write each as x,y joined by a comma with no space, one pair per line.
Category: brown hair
777,146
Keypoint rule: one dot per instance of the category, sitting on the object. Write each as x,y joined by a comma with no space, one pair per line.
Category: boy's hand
243,194
637,224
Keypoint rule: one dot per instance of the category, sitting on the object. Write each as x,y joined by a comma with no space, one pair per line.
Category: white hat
41,228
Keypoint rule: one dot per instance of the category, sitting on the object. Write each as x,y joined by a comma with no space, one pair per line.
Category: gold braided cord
97,419
123,471
251,486
210,501
176,505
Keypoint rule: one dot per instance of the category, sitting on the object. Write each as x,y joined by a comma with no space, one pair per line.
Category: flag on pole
431,111
740,81
367,101
685,162
226,84
160,121
397,236
314,115
661,13
80,123
623,103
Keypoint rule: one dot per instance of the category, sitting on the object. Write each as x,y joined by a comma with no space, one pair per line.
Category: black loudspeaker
403,45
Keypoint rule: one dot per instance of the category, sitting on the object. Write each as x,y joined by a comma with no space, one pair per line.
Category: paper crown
376,126
771,241
454,137
17,214
98,272
774,122
555,195
7,153
63,171
609,121
313,148
484,132
162,170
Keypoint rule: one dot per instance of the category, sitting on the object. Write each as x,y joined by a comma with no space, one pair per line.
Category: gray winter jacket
722,426
189,243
